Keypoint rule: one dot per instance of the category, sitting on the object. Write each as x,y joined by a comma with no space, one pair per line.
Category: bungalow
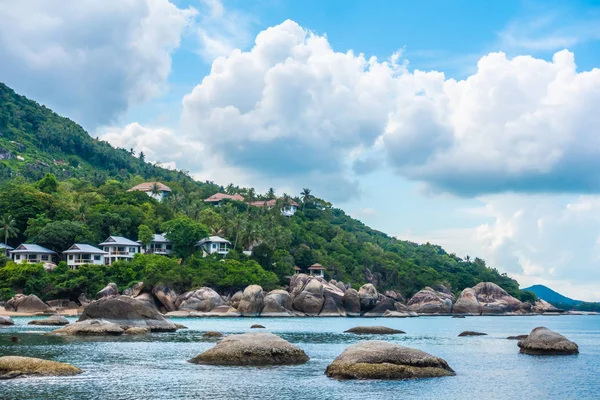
297,270
80,254
287,210
5,249
119,248
217,199
317,270
31,253
156,190
215,244
159,245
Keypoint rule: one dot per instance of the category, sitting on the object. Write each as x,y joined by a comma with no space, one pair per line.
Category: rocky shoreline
306,296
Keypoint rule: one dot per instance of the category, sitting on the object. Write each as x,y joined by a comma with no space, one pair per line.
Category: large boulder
542,306
166,297
377,359
298,283
429,301
543,341
14,366
384,304
83,300
373,330
494,300
467,303
54,320
6,321
90,327
351,303
235,299
134,291
252,301
333,300
27,304
396,296
368,297
109,290
127,312
311,299
277,303
255,348
204,300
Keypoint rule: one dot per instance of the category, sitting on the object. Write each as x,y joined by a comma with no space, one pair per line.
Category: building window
17,257
169,247
97,258
70,256
214,245
132,249
44,258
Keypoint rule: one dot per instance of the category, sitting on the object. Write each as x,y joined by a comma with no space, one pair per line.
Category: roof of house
147,187
32,248
269,203
84,248
118,240
212,239
215,198
159,238
316,266
5,246
297,268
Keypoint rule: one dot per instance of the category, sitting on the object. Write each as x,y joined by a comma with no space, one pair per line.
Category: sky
472,125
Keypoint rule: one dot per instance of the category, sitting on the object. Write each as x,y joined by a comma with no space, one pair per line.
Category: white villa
119,248
5,249
80,254
159,245
215,244
217,198
317,270
156,190
31,253
287,211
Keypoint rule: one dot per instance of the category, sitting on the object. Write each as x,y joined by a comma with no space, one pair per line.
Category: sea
156,366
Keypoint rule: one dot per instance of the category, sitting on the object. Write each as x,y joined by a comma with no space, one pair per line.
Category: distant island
560,301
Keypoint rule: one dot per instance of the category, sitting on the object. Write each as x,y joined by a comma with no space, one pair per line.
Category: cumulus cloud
90,60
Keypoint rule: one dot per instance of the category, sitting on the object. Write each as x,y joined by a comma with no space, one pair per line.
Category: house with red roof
156,190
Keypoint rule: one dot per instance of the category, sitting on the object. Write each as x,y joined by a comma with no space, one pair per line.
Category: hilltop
61,186
560,301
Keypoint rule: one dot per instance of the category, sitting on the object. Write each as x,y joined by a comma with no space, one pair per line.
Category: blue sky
475,127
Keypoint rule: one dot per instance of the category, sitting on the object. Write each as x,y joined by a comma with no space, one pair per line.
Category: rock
277,303
180,326
396,296
91,327
542,306
136,330
134,291
472,333
62,304
311,299
54,320
517,337
13,366
235,299
212,334
204,299
256,348
83,300
495,300
341,286
27,304
166,296
333,301
178,314
373,330
467,303
256,326
298,282
109,290
375,359
351,303
396,314
127,312
384,304
147,298
429,301
458,316
252,301
368,297
543,341
6,321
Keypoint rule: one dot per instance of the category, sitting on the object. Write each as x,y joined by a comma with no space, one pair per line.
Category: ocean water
155,366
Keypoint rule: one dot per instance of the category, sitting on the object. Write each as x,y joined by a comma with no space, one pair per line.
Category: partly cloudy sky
473,125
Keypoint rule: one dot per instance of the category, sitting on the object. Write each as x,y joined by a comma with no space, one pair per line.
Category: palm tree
251,195
81,212
155,189
271,194
305,196
467,258
8,228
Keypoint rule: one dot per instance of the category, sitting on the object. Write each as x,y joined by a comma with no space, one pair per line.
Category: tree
145,235
270,194
8,229
212,220
142,156
155,189
60,235
184,233
305,196
48,184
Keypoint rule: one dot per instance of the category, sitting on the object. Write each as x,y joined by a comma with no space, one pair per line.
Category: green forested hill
88,200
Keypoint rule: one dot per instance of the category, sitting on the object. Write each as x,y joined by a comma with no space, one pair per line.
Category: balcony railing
119,253
82,261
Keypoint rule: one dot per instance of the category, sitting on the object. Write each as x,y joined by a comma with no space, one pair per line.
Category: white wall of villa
119,249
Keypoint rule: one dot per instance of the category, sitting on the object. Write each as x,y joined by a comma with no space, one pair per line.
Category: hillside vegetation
72,188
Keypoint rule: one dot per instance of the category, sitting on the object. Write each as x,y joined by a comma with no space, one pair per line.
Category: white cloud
90,60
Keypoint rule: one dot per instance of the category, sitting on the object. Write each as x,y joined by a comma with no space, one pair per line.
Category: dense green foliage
71,187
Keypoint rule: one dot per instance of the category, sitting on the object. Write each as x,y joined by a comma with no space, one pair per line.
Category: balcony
118,253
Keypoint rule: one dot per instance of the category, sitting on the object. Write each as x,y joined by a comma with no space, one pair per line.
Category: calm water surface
154,366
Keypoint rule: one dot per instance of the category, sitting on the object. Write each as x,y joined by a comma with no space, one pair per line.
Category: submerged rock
212,334
6,321
373,330
256,348
543,341
14,366
256,326
472,333
109,290
54,320
27,304
377,359
91,327
252,301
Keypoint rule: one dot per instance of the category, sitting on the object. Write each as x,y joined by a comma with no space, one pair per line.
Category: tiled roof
84,248
147,187
32,248
270,203
118,240
316,266
215,198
